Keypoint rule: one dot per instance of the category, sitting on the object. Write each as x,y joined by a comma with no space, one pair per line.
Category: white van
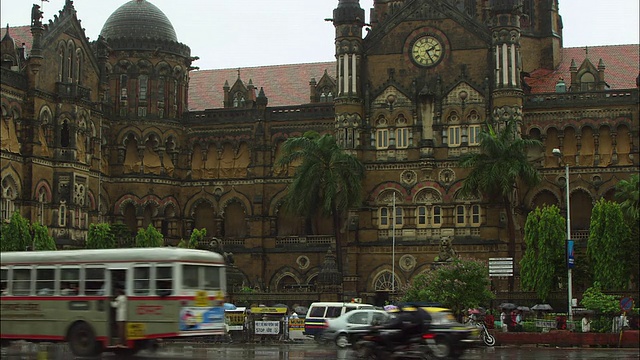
314,322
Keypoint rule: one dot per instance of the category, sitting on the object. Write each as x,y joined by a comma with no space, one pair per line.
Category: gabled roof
21,34
283,84
621,65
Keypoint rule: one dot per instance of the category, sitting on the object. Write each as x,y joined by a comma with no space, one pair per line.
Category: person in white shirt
586,324
120,304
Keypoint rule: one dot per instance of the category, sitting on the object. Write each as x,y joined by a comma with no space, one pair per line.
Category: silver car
345,329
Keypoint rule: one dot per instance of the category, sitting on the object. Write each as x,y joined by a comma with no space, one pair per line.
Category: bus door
116,279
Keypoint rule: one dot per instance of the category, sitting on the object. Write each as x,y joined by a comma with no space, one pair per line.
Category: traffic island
566,338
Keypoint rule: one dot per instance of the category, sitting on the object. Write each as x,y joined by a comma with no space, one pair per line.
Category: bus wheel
82,340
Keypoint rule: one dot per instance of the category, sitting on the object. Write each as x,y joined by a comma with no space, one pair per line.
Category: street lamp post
558,153
393,247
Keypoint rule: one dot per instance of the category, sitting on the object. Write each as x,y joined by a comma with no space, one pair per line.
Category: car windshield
442,318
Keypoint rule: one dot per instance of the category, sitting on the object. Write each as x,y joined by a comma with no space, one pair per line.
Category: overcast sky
243,33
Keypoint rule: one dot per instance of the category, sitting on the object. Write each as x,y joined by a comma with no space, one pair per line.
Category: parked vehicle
346,329
314,322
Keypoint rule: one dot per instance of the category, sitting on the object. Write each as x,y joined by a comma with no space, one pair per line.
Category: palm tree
327,181
627,196
498,167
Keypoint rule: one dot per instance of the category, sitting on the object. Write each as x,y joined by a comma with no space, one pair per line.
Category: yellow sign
296,324
268,310
202,298
135,331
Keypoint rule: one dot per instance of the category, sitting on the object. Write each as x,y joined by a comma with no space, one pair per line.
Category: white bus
66,296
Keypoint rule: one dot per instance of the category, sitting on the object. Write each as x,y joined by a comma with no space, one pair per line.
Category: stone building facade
124,128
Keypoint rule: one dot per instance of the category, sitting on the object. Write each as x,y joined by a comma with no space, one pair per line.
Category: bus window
164,283
141,276
211,278
21,281
190,276
4,281
45,281
94,281
69,280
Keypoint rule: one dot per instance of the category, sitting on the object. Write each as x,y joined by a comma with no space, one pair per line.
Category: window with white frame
21,281
7,206
402,138
141,279
382,138
62,215
383,216
454,136
475,214
45,281
474,131
399,216
421,213
436,215
460,215
143,82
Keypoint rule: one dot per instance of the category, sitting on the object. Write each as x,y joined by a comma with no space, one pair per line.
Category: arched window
64,134
78,67
62,214
9,195
386,281
587,82
383,217
61,64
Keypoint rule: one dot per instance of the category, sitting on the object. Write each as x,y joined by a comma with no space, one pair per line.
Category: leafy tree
594,299
41,238
459,285
627,194
499,166
16,235
100,236
544,236
606,248
122,235
149,237
197,236
328,180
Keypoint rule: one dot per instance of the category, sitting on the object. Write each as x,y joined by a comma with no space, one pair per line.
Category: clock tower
348,20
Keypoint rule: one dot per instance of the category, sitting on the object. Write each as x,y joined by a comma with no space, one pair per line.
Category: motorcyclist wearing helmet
411,321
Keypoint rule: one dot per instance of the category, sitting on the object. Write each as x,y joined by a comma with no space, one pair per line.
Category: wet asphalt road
310,351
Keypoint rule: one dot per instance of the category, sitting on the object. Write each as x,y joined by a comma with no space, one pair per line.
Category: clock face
426,51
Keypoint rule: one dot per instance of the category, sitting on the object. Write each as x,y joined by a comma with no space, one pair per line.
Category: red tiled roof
621,66
283,84
20,34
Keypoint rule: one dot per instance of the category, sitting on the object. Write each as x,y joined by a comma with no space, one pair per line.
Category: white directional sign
500,266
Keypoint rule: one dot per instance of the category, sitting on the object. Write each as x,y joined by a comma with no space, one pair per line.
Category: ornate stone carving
407,262
303,262
408,177
446,252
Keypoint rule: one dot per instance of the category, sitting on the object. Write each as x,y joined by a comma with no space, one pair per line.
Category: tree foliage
594,299
458,285
501,163
16,235
197,236
541,266
327,180
149,237
122,235
100,236
627,194
606,248
41,238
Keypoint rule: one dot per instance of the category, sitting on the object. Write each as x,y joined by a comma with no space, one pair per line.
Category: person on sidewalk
586,323
120,304
504,321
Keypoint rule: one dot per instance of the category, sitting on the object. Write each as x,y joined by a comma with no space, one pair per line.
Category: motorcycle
485,336
377,345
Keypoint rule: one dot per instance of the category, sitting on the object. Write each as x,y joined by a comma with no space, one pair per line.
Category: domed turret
138,19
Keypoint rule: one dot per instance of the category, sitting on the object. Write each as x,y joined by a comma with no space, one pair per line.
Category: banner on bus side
198,318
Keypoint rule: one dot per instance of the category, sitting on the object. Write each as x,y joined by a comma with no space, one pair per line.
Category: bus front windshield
201,277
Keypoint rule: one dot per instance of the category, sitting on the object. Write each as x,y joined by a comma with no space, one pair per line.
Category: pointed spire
600,64
573,65
226,85
6,34
261,93
250,82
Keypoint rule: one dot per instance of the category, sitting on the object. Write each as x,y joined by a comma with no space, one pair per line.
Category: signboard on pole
570,258
501,266
626,304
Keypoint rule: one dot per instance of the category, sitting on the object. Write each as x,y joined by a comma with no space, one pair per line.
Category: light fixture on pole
558,154
393,247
